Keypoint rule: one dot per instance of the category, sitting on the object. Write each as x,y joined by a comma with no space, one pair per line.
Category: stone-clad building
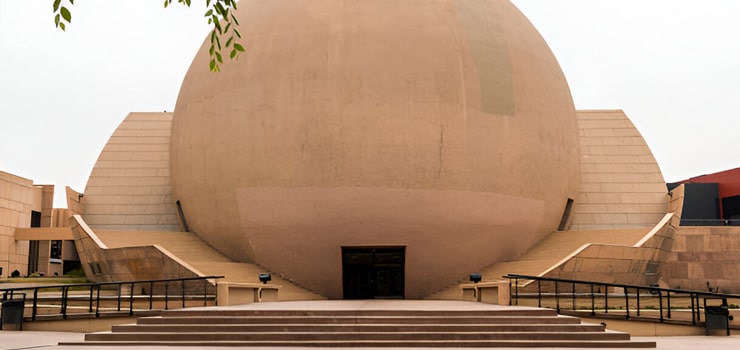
365,149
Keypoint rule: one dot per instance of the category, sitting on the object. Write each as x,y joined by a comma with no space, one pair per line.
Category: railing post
151,294
97,303
131,301
660,304
183,294
638,301
606,299
90,308
166,296
574,296
119,297
34,309
693,316
65,293
539,293
668,294
205,292
626,303
557,298
593,301
698,309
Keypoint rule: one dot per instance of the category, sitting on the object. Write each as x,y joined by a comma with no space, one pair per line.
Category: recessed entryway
373,272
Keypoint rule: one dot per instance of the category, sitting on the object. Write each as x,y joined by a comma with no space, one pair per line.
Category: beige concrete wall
17,197
129,188
621,183
445,127
705,254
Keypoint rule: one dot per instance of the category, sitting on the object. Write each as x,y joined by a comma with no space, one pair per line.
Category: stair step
393,343
339,328
338,313
365,336
359,320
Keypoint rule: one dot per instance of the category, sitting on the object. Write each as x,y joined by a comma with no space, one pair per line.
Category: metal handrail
655,291
93,298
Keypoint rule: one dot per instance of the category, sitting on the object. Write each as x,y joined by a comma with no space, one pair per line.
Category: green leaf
56,20
226,29
217,24
238,47
218,57
233,54
72,2
56,5
211,50
214,66
166,3
228,42
238,35
220,9
66,14
218,42
233,19
209,13
61,26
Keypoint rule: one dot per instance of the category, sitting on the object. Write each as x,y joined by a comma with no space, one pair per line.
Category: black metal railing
710,222
628,301
95,299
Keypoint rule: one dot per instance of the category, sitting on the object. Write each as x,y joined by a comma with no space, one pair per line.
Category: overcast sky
672,65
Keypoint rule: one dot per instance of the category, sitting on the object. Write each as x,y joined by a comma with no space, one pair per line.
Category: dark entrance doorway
373,273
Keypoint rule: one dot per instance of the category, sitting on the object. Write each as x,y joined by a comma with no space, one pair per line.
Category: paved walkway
49,340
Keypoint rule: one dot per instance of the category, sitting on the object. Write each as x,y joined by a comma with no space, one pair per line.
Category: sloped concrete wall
621,183
102,264
129,188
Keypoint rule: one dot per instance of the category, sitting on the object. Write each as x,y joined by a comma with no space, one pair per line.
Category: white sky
672,65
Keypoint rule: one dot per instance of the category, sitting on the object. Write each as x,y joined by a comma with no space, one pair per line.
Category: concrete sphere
445,126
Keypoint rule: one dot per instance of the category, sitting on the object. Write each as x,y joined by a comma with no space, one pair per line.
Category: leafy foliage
62,16
220,14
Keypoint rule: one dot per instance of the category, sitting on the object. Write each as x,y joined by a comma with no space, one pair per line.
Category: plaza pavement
48,341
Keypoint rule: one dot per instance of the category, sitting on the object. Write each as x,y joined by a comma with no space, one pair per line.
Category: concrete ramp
190,249
547,254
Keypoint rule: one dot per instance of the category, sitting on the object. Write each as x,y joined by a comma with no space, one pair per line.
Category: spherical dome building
353,137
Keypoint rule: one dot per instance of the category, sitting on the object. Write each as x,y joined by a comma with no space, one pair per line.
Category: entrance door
373,273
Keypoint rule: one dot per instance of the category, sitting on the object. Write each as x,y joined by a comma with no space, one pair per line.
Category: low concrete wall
705,256
245,293
497,292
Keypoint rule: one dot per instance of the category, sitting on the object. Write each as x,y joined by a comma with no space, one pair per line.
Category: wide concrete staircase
546,254
191,249
390,327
